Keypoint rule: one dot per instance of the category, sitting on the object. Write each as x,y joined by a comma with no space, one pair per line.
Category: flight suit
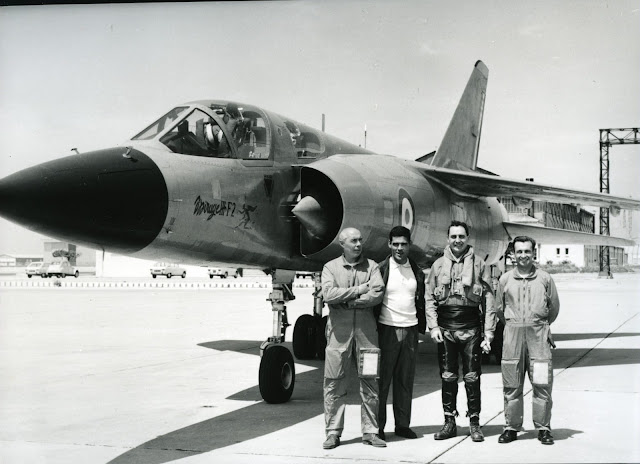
455,308
527,305
351,327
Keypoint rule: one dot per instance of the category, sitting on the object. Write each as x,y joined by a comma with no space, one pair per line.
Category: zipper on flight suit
353,282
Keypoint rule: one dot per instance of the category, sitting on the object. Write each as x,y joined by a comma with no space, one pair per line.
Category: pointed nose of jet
115,199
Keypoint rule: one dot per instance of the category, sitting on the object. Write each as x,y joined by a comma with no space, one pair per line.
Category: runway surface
162,375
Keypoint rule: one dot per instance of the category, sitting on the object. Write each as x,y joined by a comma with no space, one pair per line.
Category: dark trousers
398,346
464,344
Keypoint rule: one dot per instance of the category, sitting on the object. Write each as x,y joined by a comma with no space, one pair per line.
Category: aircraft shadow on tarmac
261,419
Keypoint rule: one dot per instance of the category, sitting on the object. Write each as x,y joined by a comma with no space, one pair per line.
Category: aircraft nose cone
100,199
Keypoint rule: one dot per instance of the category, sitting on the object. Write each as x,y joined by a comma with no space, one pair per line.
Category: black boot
545,437
474,429
448,430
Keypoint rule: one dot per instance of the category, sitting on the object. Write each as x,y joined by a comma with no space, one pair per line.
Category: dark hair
400,231
458,224
524,239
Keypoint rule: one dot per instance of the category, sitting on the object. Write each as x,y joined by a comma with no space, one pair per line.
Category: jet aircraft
216,181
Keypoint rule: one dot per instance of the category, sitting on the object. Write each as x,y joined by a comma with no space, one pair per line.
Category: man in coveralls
400,317
527,300
458,282
351,287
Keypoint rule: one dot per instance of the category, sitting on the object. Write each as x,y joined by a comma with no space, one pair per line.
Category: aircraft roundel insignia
407,215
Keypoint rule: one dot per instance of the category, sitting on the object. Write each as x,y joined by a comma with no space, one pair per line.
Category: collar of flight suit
346,263
533,275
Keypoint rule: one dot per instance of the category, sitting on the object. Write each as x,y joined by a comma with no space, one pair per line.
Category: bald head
351,242
346,233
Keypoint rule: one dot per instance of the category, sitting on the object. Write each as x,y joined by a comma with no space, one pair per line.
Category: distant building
561,216
7,260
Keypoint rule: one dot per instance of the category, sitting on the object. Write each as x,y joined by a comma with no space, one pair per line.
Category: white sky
91,76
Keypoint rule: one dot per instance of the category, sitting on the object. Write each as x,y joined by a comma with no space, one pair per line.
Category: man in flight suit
458,282
351,287
400,318
527,301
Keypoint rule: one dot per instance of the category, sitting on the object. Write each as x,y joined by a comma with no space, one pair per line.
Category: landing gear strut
277,372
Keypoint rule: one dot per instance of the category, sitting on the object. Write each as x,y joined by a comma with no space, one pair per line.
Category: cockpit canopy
220,130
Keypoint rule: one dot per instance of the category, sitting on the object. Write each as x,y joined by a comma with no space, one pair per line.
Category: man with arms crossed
527,300
458,282
351,287
400,317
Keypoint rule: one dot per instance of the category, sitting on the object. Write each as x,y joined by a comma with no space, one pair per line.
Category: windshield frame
165,121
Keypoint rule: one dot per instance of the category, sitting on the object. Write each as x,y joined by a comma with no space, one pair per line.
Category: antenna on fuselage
322,122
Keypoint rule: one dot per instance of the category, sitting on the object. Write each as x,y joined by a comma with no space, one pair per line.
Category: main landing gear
277,370
309,338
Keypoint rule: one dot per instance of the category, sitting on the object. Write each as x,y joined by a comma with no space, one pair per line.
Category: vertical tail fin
459,147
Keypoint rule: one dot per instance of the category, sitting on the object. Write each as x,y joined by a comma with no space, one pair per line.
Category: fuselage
171,193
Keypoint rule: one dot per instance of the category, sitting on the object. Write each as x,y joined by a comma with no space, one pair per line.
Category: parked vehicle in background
304,274
62,269
168,269
222,272
42,270
33,268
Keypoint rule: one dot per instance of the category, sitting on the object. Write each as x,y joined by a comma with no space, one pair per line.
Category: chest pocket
445,288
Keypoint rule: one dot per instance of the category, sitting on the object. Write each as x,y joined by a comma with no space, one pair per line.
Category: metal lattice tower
610,137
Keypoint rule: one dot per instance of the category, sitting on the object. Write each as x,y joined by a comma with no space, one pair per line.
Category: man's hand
362,289
486,343
486,346
436,335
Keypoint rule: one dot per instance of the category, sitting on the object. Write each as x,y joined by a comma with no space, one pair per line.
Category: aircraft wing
474,184
562,236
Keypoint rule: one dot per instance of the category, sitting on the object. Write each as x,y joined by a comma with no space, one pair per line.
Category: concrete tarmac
162,375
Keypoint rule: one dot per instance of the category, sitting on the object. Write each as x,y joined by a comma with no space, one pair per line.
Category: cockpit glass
161,124
230,132
198,135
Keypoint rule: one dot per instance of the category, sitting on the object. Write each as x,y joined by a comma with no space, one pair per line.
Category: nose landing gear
277,375
277,370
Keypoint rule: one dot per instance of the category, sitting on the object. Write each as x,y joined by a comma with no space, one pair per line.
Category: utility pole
365,135
610,137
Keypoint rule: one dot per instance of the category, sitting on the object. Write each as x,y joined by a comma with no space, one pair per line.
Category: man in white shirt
401,315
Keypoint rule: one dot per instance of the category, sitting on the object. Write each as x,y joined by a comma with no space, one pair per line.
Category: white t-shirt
399,304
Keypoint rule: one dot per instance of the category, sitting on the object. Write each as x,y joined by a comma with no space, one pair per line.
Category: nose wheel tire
277,374
304,337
